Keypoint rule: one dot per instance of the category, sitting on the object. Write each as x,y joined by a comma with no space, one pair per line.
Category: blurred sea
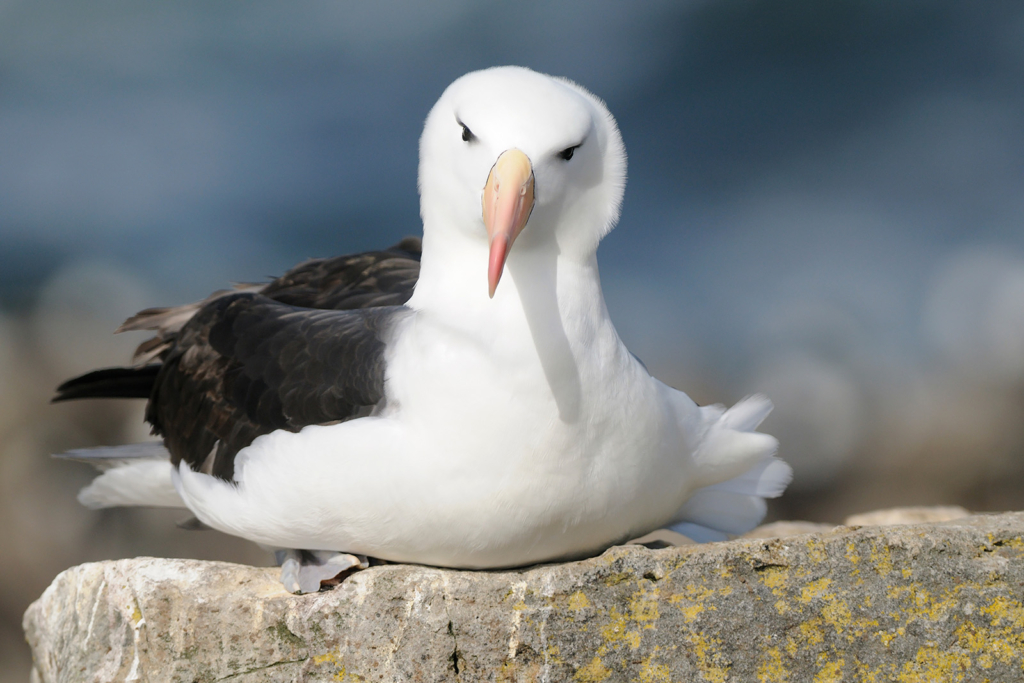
825,203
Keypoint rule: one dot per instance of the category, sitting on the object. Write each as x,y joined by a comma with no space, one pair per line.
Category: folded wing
247,365
305,348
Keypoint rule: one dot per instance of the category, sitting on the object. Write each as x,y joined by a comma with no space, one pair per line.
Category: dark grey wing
247,365
272,366
373,278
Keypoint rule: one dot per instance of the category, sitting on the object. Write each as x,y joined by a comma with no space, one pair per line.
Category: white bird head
510,157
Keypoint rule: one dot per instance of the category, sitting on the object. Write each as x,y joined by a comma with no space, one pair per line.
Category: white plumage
516,429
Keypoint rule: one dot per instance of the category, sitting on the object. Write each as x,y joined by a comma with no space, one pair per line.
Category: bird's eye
467,134
567,153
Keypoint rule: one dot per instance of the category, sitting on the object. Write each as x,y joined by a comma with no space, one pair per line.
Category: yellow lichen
838,615
922,603
1004,644
333,659
695,596
1016,543
595,672
771,670
328,658
886,637
578,601
775,578
810,631
932,664
615,579
616,632
851,553
830,672
651,672
865,674
693,593
815,589
710,662
513,672
881,557
987,618
1003,609
643,608
816,551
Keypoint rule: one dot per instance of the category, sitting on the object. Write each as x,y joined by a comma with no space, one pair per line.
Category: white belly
470,465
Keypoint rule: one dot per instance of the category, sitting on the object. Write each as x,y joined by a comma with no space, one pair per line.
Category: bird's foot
307,571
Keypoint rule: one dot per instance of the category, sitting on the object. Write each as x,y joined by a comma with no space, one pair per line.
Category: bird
461,400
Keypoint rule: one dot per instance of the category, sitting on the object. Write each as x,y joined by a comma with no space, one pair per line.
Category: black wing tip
109,383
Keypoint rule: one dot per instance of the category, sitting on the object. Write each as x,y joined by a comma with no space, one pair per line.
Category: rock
907,515
786,529
662,538
925,602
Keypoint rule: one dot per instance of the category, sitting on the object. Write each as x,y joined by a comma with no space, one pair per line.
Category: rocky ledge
938,601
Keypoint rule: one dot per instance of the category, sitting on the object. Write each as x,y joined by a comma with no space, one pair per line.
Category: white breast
516,430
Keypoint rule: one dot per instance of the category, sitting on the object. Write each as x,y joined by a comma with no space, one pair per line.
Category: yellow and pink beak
507,203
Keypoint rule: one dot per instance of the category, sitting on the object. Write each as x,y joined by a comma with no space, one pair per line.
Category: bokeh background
826,203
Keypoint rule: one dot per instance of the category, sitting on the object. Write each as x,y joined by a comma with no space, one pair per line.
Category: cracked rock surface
922,602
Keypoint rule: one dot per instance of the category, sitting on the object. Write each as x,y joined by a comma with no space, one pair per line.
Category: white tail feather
767,479
137,474
142,483
748,414
735,505
730,513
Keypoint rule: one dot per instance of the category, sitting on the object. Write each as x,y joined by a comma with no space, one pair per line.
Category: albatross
464,401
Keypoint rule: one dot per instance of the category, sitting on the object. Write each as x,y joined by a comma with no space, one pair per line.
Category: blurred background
826,204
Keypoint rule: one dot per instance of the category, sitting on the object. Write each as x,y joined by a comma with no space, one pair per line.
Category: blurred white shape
974,314
818,418
77,312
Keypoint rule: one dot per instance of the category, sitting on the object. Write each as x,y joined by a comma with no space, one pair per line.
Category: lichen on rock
926,602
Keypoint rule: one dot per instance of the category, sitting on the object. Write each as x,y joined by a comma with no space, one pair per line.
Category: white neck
548,311
541,284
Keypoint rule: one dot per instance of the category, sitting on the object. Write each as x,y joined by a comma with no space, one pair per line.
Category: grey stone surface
928,602
786,529
907,515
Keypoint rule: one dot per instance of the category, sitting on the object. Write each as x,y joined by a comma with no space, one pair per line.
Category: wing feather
261,357
246,365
